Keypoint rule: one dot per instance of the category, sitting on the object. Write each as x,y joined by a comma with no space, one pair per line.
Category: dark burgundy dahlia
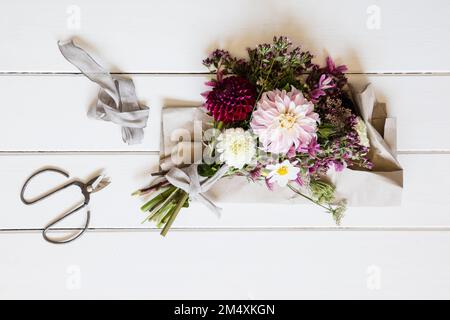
231,99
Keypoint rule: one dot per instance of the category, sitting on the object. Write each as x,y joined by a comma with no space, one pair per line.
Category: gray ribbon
117,101
188,180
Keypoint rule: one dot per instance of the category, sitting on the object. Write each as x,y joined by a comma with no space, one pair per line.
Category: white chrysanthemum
237,147
361,129
282,173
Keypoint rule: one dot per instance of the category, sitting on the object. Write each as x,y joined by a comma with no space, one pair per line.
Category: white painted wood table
254,251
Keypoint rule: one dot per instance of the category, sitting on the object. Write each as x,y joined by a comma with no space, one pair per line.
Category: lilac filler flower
325,82
312,148
331,66
283,120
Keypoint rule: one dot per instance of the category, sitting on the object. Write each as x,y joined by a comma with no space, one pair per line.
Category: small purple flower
316,94
332,67
255,173
302,148
312,148
269,184
314,167
299,180
338,166
368,164
291,153
325,82
212,84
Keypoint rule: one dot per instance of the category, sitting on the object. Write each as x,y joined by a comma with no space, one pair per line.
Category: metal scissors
93,185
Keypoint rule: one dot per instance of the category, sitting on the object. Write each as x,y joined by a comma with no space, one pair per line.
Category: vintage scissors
93,185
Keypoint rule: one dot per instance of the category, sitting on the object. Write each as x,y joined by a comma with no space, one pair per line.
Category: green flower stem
308,198
336,211
219,125
165,214
158,198
212,145
264,83
161,206
173,215
152,188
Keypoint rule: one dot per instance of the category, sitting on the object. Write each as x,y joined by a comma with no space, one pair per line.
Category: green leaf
325,131
206,170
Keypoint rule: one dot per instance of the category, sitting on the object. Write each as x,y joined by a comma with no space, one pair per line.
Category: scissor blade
99,183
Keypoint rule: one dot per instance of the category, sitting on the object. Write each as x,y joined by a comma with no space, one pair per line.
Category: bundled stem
174,212
164,207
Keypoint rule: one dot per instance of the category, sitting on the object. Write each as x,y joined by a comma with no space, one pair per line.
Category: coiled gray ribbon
117,101
188,180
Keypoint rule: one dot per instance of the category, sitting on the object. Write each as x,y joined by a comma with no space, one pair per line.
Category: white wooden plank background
229,265
52,113
255,250
174,36
425,202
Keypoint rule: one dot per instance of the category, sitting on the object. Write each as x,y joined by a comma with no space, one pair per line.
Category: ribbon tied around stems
117,101
188,180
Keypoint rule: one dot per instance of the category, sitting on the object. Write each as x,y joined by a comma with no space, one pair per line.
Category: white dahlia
237,147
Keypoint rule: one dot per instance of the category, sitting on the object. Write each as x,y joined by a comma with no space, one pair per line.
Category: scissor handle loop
39,198
71,237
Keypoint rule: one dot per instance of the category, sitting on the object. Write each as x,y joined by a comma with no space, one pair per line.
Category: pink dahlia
231,99
284,120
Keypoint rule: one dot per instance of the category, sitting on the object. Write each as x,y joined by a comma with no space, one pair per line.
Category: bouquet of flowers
276,118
